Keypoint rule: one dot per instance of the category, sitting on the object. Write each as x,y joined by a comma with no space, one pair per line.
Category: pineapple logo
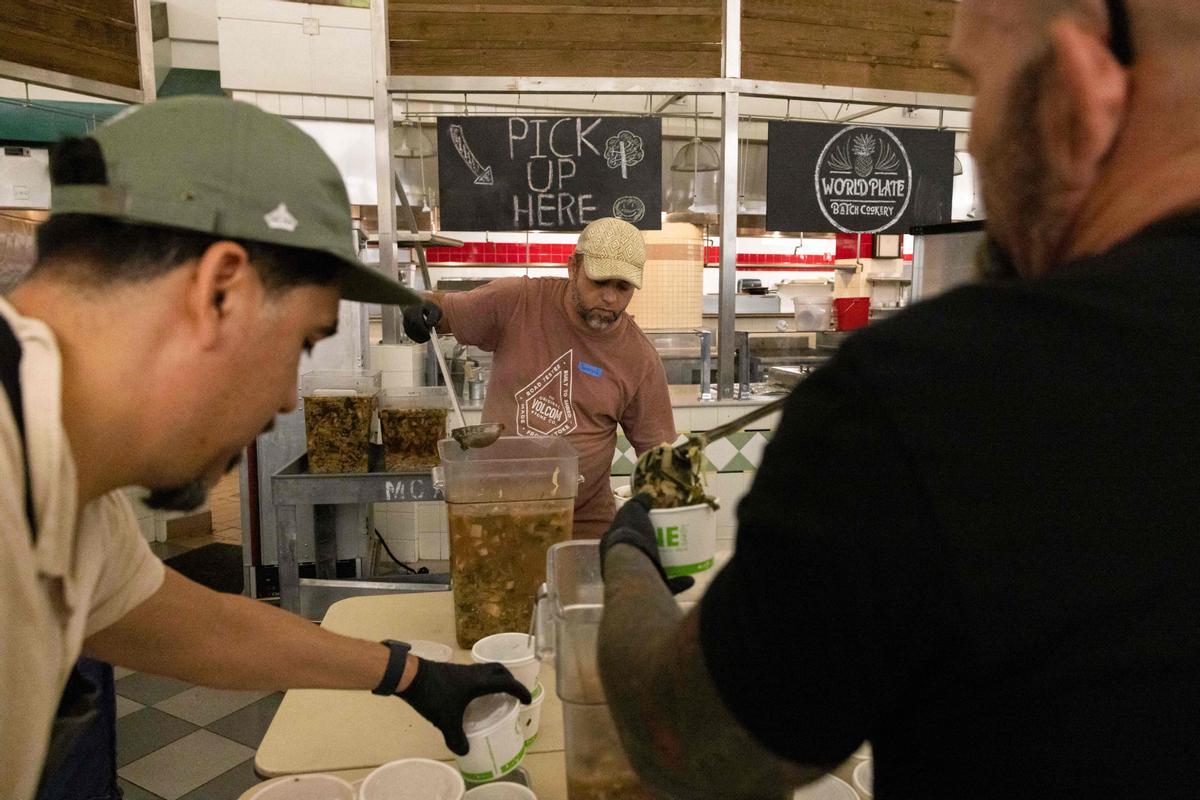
864,180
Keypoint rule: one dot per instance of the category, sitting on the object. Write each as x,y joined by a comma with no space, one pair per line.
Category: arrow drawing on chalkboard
483,175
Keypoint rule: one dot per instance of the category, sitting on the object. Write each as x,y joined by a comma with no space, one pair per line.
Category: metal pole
727,304
731,41
383,161
145,49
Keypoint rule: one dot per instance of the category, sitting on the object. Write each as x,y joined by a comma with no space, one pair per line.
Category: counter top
688,396
350,733
321,730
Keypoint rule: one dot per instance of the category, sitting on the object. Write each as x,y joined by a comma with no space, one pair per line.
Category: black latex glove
632,526
441,691
420,319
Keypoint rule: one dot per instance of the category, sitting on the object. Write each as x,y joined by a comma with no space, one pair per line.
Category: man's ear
221,283
1083,104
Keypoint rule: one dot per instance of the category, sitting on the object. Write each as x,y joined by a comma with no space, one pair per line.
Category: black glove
632,526
441,691
420,319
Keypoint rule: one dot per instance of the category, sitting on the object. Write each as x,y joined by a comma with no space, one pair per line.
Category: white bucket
500,791
494,735
413,779
306,787
530,717
687,536
517,651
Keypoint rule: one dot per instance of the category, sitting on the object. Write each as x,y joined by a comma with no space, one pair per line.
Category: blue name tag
588,369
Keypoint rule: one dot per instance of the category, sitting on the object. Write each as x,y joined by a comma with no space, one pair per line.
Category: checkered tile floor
182,742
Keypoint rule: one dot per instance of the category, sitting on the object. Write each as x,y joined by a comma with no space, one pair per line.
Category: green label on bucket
688,569
477,777
511,765
672,536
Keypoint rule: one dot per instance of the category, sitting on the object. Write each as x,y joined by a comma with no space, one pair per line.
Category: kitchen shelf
425,238
879,279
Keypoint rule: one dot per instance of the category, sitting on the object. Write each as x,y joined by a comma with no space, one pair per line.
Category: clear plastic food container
568,620
339,408
412,422
507,504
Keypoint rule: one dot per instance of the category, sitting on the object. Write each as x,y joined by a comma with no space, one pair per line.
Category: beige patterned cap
612,249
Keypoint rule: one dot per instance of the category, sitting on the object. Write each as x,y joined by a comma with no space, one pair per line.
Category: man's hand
420,319
440,693
632,526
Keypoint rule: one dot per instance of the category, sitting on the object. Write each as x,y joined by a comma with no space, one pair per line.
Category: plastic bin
339,410
812,316
568,625
507,504
412,422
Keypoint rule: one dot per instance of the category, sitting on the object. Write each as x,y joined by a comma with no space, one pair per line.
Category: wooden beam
688,61
926,17
553,29
798,69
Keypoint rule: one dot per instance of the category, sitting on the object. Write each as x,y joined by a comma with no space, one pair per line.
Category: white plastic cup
500,791
413,779
517,651
306,787
497,745
430,651
530,717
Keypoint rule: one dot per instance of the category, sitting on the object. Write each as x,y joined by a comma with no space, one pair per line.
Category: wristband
397,659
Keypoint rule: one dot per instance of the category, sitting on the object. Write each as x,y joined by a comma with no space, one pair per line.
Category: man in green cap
195,248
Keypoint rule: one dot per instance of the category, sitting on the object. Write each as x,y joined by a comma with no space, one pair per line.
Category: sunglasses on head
1120,39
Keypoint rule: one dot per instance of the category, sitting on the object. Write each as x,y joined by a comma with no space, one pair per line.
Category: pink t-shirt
554,376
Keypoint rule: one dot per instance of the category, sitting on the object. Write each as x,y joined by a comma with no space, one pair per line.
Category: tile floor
182,742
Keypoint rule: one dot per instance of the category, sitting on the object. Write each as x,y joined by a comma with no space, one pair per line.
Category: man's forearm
674,726
188,632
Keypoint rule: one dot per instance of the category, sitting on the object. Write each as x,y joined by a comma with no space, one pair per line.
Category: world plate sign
864,180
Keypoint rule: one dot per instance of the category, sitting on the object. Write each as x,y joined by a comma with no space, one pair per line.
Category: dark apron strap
10,375
78,709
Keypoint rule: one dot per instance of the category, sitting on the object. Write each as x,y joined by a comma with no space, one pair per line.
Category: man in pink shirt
568,360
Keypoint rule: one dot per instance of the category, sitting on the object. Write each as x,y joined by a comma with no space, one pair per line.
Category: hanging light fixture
696,155
408,140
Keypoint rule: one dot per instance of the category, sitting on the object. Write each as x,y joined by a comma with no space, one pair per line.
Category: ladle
705,438
469,437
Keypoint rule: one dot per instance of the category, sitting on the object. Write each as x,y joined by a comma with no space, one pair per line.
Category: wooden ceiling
873,44
876,44
91,39
609,38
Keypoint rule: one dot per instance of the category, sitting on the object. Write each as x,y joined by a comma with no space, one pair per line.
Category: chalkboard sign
548,173
857,179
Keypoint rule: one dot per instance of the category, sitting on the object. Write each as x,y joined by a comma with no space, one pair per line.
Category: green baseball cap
229,169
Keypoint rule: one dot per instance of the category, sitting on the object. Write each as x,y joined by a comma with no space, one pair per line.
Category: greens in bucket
672,476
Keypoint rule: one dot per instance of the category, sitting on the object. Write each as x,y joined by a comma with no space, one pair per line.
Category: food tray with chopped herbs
339,411
412,422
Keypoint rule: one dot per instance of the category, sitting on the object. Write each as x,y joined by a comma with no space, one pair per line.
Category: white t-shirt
85,572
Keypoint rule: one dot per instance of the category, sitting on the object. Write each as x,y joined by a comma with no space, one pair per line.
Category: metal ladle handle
733,426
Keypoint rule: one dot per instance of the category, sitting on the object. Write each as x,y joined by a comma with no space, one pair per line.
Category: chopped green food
338,430
498,561
410,437
673,477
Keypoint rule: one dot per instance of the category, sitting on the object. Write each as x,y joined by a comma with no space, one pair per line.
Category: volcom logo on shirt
544,406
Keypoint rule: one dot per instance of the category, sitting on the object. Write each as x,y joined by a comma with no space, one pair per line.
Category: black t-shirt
975,542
